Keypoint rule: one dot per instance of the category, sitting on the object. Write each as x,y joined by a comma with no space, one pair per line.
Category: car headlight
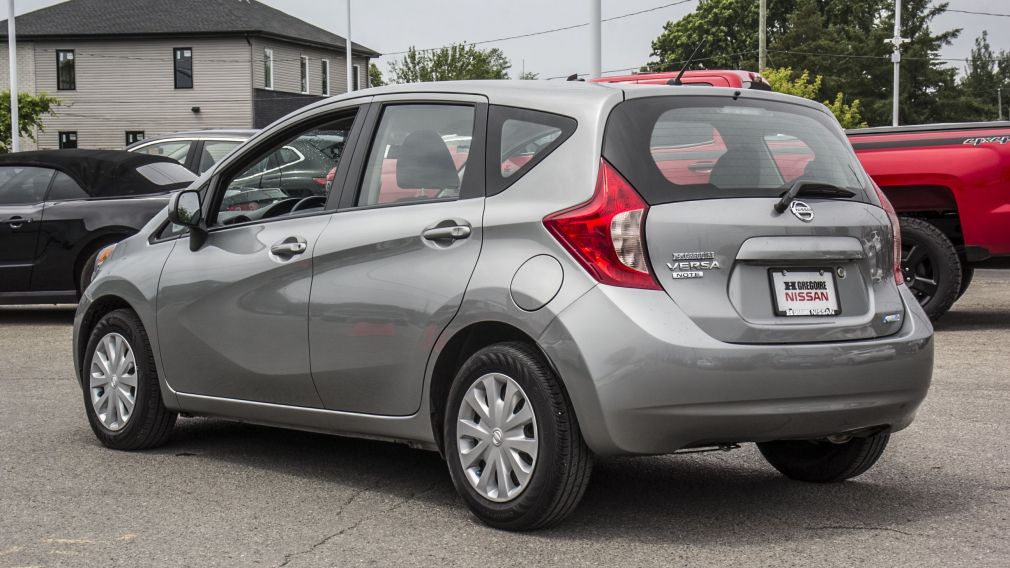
103,255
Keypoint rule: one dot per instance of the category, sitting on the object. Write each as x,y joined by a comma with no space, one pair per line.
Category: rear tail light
899,277
605,234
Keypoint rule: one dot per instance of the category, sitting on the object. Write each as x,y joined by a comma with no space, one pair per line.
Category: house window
134,136
268,69
183,68
356,78
325,73
305,74
66,73
68,140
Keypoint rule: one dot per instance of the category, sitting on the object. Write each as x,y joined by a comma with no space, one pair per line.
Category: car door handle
452,232
16,222
289,247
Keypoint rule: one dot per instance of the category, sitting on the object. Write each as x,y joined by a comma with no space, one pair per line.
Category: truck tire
967,273
931,266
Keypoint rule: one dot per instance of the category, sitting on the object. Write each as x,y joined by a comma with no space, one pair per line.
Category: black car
59,208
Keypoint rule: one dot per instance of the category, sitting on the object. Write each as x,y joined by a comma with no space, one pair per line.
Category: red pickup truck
950,184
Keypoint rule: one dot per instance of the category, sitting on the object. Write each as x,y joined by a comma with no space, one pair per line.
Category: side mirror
184,208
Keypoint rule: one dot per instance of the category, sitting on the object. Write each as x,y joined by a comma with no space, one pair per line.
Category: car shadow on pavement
696,499
37,315
974,320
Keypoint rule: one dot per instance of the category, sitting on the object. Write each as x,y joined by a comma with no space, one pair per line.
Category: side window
214,151
23,185
65,188
518,140
66,70
178,150
419,153
291,177
183,67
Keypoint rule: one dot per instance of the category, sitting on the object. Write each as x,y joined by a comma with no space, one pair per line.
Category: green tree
31,110
453,63
783,80
842,40
985,73
529,76
375,76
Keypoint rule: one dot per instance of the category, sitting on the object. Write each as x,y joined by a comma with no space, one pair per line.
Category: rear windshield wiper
814,188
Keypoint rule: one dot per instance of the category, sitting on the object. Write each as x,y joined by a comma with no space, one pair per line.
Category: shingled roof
163,18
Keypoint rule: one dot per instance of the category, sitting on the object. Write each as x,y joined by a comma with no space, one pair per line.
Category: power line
979,13
552,30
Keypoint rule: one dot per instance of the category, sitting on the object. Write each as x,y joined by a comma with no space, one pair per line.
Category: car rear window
683,148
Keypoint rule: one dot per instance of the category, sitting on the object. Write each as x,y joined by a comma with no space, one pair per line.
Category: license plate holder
804,292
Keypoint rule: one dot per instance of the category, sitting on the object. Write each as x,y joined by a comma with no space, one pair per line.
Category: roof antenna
687,64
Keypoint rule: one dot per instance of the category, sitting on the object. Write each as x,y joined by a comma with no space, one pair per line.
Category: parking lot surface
229,494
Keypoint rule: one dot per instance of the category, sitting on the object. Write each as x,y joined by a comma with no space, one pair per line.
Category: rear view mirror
184,209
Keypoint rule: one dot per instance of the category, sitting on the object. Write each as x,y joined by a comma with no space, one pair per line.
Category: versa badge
692,264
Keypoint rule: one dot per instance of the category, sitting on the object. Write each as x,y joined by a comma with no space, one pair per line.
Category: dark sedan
59,208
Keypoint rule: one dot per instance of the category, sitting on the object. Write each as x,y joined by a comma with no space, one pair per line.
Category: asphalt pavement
229,494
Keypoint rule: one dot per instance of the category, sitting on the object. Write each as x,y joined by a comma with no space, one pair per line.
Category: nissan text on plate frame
478,278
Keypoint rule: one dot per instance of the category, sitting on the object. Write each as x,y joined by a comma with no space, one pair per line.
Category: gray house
130,69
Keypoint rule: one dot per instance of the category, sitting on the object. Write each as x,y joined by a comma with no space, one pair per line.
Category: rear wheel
513,446
122,396
930,265
821,461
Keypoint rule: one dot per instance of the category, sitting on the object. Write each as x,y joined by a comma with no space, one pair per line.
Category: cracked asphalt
229,494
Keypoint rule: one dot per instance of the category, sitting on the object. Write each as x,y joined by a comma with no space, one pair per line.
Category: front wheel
513,445
122,396
822,461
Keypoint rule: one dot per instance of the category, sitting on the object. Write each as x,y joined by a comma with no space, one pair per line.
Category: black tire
150,423
931,266
87,271
967,274
563,463
821,461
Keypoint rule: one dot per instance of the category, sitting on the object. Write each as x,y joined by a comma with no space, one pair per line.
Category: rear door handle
452,232
16,222
289,247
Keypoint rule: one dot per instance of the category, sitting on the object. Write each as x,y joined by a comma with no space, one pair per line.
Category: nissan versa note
523,275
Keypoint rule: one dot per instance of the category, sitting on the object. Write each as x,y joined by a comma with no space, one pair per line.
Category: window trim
268,68
175,67
303,71
356,75
325,75
497,116
234,162
473,184
73,53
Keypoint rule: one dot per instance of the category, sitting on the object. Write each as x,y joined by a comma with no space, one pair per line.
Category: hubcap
918,270
496,437
113,384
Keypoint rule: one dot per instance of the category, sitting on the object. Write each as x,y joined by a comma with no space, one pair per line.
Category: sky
390,26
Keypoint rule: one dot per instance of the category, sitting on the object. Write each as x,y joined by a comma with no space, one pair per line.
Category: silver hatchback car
619,270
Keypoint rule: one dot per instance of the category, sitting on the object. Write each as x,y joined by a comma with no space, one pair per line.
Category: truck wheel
931,266
821,461
967,273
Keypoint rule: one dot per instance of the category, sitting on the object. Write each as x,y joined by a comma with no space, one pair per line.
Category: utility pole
595,38
999,101
12,48
350,63
896,41
762,35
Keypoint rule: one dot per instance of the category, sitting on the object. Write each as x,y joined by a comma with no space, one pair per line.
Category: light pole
595,39
12,48
350,57
896,41
762,35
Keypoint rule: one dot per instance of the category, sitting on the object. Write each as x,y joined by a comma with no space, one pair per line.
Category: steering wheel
282,207
309,203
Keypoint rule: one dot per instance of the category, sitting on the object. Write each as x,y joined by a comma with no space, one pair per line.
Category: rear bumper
645,380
